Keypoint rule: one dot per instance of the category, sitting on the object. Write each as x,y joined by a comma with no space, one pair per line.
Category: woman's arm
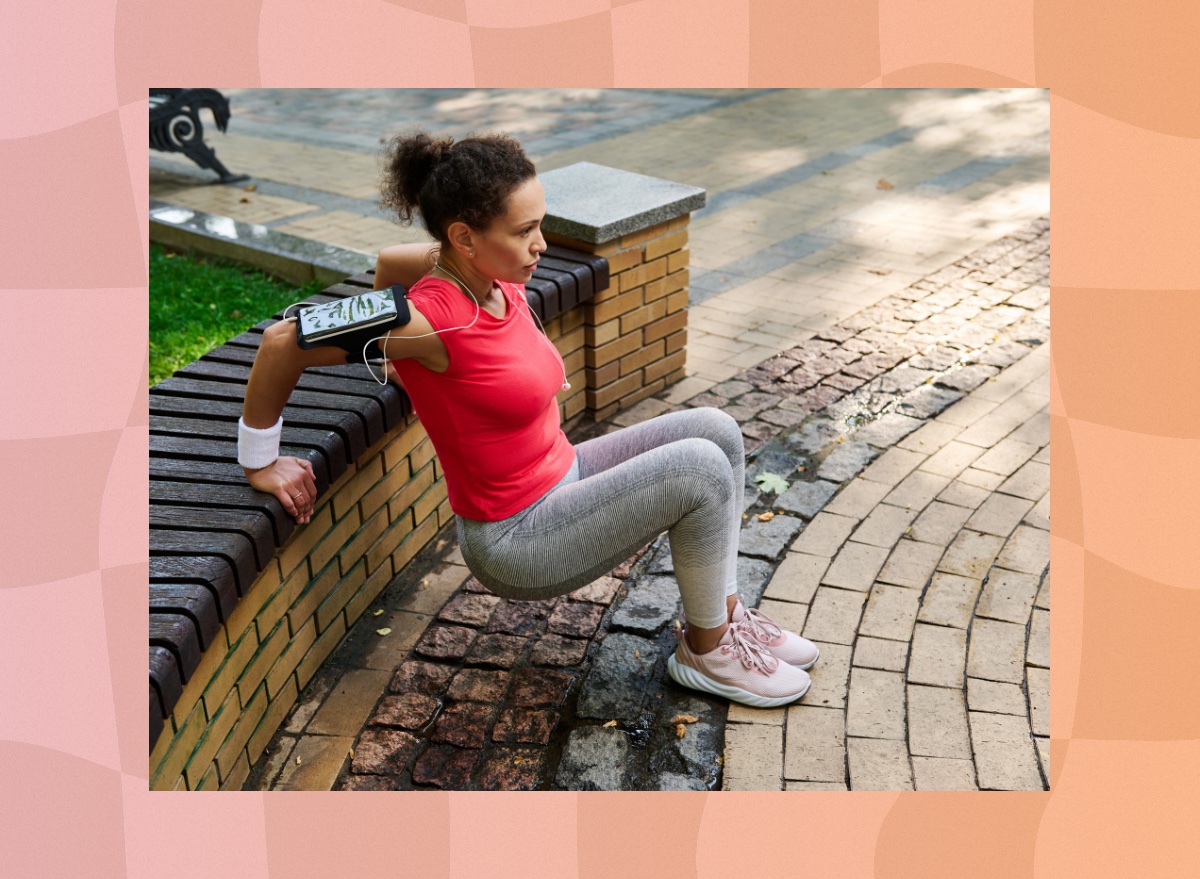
404,264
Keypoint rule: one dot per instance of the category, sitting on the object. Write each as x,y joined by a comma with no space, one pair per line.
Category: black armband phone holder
349,323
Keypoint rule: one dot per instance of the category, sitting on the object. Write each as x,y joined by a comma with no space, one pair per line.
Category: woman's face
509,248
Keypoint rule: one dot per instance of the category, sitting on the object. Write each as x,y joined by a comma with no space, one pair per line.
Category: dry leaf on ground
884,184
766,517
680,730
684,718
610,724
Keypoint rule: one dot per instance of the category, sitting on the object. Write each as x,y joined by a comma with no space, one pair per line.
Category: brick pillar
635,332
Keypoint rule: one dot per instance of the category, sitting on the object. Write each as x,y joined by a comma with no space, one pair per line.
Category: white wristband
258,447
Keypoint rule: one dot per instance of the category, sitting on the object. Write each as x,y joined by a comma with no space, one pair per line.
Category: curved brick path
912,545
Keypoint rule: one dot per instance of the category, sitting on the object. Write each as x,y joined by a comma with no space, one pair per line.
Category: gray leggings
683,471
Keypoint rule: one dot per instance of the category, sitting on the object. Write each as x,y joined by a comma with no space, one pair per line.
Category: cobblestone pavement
911,544
869,300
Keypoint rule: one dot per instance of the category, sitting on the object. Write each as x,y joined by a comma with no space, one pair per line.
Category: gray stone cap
595,203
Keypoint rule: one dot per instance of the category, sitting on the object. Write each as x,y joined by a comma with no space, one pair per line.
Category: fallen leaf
351,753
243,200
680,730
720,760
424,584
883,184
637,654
384,631
610,724
880,271
908,529
378,613
297,761
766,517
684,718
251,187
516,760
841,439
801,469
771,482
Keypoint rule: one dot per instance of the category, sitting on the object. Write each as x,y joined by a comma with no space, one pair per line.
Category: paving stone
880,654
830,677
877,764
511,769
321,759
518,618
1038,651
940,773
939,524
887,430
805,499
703,741
650,603
434,590
539,687
407,711
615,687
1005,758
823,535
469,609
949,600
855,567
575,619
446,767
601,591
834,615
931,437
1006,456
927,401
815,435
370,782
984,479
916,490
753,757
911,564
787,615
893,466
971,554
797,577
1032,481
876,704
1039,516
524,726
556,650
1043,597
474,586
962,495
768,539
815,785
1008,595
995,697
446,642
884,526
478,685
673,781
999,514
384,752
420,677
464,724
1042,744
937,723
845,461
349,703
816,744
739,713
967,412
890,613
501,651
967,378
938,653
1038,682
1028,550
752,575
952,459
857,499
997,651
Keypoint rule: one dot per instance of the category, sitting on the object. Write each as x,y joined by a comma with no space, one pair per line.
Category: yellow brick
642,316
259,664
677,301
331,544
598,314
162,745
639,395
399,447
662,328
665,366
414,543
668,243
642,357
303,539
316,655
277,710
623,260
615,350
402,500
603,333
570,342
598,378
232,666
210,665
209,780
278,604
316,592
234,746
428,502
346,587
382,549
250,605
576,404
290,658
678,260
666,285
646,234
606,412
574,361
350,494
679,222
676,341
570,320
421,455
353,551
164,776
643,274
445,513
604,249
612,393
370,590
214,735
377,498
239,774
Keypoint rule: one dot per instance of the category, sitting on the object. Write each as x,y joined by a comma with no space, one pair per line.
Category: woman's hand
291,481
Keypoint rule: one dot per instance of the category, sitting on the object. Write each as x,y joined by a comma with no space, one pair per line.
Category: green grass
198,304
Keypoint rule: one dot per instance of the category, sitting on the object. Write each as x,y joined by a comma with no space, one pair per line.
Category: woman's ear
461,237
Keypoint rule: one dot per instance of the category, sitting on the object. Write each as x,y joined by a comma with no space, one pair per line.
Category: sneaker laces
758,625
748,653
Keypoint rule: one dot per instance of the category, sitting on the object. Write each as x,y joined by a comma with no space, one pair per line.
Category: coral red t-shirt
492,415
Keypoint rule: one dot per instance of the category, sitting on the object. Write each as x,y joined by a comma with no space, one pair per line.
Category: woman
537,517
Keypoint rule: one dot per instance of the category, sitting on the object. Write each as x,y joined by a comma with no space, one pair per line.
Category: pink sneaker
764,632
740,670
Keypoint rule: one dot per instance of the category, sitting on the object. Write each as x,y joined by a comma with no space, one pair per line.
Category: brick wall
635,332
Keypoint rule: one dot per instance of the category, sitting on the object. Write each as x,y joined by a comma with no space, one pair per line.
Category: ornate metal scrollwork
175,126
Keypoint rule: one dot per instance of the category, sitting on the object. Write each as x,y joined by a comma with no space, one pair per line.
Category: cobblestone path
912,544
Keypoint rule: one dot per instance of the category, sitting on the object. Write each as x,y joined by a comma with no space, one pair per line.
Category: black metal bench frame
175,126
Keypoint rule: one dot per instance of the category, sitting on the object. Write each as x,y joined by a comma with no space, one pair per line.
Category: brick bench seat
213,538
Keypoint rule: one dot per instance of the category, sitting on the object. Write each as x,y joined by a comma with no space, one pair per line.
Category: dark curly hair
442,180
